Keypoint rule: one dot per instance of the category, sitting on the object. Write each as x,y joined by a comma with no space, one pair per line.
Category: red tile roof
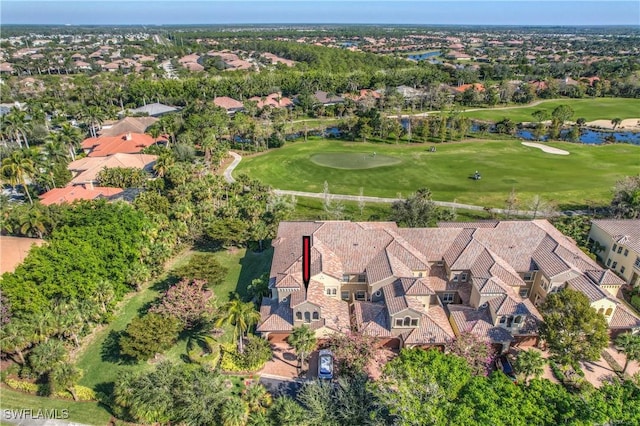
228,103
127,143
70,194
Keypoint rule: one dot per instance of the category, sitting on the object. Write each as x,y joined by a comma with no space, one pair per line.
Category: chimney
127,137
89,186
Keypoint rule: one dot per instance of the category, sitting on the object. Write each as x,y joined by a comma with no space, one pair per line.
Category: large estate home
620,246
423,286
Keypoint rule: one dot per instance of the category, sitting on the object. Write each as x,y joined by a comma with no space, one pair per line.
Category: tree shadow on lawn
249,269
110,350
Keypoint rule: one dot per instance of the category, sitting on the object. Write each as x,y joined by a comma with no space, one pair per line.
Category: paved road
424,114
33,418
237,158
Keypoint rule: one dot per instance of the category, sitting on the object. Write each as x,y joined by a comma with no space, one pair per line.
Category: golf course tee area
585,176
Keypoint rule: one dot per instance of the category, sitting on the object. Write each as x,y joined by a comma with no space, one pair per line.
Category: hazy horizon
327,12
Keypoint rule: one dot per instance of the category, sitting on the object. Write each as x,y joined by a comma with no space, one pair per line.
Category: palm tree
163,163
630,345
242,316
616,122
16,125
93,117
16,168
32,221
529,363
303,341
14,338
234,412
258,398
71,137
66,375
45,357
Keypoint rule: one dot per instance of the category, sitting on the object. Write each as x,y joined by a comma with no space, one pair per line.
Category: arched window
298,315
601,311
517,319
407,321
316,316
509,321
609,312
334,291
328,292
307,317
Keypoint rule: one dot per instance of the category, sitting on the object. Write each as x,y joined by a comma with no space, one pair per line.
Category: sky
427,12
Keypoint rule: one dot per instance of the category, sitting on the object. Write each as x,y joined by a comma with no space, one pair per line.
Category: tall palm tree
303,340
14,339
93,117
163,163
242,316
16,168
258,398
32,221
71,137
17,126
630,345
529,363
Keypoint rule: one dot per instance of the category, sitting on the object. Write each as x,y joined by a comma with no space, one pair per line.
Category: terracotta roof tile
70,194
619,228
623,318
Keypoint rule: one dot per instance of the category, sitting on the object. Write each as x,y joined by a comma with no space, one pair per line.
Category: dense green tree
418,210
287,412
234,412
146,336
573,330
626,198
188,301
202,266
122,177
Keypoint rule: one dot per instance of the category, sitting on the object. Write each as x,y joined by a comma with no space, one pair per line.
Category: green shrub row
22,386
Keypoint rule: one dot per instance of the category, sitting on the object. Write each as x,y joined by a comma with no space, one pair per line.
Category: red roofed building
127,143
363,94
86,169
70,194
478,87
274,100
229,104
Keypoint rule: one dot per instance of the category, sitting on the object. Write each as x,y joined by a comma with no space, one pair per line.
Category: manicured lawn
353,160
91,413
587,174
589,109
100,363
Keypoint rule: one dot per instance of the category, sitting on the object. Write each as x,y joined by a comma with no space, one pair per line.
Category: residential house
14,250
229,104
273,100
619,240
326,99
422,287
126,125
85,170
126,143
191,62
69,194
274,59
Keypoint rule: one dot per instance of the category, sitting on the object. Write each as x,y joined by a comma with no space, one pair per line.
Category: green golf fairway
353,160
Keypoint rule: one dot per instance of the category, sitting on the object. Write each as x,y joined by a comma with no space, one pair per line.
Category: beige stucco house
619,240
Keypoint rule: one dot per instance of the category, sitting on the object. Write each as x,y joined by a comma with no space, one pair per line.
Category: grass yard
589,109
586,175
90,413
99,361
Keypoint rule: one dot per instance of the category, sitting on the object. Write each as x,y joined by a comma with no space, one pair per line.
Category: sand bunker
629,124
547,149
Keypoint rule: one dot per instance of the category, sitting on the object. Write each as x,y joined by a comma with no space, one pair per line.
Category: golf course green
585,176
353,160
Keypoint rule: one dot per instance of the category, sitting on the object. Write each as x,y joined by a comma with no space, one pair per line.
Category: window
299,316
463,277
524,292
399,322
455,278
316,316
448,297
528,276
614,265
419,274
334,291
619,249
344,295
361,295
414,322
517,320
601,311
328,292
637,263
307,317
608,262
622,269
613,249
345,278
406,322
362,278
509,321
440,263
503,320
609,312
626,252
545,284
